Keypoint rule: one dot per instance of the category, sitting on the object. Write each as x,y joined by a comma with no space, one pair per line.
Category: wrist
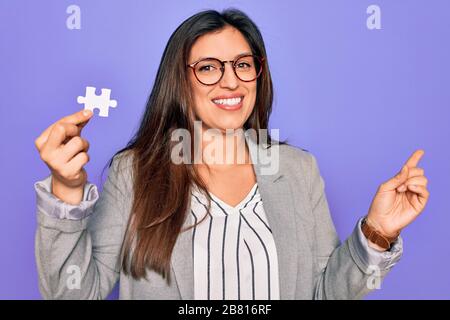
372,223
375,246
70,195
376,238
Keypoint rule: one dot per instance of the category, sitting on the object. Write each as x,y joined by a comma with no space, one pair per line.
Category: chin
230,125
231,122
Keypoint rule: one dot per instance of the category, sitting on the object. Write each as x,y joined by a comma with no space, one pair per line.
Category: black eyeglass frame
222,68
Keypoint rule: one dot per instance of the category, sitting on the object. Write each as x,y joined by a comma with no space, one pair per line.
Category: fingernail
87,112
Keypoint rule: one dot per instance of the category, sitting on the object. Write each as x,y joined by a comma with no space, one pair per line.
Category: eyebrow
208,57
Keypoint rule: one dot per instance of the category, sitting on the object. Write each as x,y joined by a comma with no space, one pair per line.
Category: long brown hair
161,188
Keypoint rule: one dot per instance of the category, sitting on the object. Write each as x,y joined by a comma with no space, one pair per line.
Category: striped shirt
233,249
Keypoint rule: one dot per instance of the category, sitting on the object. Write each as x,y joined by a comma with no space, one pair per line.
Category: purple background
360,100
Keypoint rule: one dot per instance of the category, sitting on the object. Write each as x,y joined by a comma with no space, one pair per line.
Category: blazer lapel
182,262
278,205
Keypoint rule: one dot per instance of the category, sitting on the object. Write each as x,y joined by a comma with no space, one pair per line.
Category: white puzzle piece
101,102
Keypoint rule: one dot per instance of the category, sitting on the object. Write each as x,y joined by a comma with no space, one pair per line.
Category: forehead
225,44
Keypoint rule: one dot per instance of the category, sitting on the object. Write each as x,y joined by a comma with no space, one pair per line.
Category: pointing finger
415,158
415,172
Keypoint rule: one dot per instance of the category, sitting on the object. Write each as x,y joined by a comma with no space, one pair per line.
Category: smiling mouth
229,104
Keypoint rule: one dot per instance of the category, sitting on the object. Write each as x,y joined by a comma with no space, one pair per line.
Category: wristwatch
373,235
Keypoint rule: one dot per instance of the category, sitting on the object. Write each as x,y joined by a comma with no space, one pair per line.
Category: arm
82,242
347,270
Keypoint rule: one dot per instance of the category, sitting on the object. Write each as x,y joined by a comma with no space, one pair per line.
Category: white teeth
230,102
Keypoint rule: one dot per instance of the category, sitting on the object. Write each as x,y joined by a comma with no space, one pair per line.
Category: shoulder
121,168
122,160
294,159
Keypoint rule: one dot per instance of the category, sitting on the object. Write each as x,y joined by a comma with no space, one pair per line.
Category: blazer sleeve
77,248
348,270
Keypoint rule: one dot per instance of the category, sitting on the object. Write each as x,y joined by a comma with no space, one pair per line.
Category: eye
243,65
207,68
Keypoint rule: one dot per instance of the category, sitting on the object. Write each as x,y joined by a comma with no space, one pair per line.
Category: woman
181,230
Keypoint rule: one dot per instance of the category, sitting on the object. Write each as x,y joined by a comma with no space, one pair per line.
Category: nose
229,79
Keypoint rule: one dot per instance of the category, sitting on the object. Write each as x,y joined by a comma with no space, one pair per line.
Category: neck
222,149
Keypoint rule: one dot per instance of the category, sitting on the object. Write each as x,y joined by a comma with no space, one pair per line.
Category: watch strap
373,235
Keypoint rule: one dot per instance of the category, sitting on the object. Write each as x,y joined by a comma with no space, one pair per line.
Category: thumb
397,180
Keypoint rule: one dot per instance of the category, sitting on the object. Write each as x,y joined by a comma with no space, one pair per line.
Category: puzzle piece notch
102,102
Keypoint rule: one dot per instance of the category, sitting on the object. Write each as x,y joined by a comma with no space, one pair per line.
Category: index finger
79,118
414,159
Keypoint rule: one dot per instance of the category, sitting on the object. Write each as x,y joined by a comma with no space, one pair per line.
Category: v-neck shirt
234,252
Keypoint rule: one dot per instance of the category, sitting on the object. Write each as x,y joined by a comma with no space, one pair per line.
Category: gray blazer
78,247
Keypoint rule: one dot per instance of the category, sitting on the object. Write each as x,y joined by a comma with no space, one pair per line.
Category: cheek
200,95
201,101
202,108
252,96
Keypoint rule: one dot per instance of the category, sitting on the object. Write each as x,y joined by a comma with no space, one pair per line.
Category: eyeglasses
209,71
